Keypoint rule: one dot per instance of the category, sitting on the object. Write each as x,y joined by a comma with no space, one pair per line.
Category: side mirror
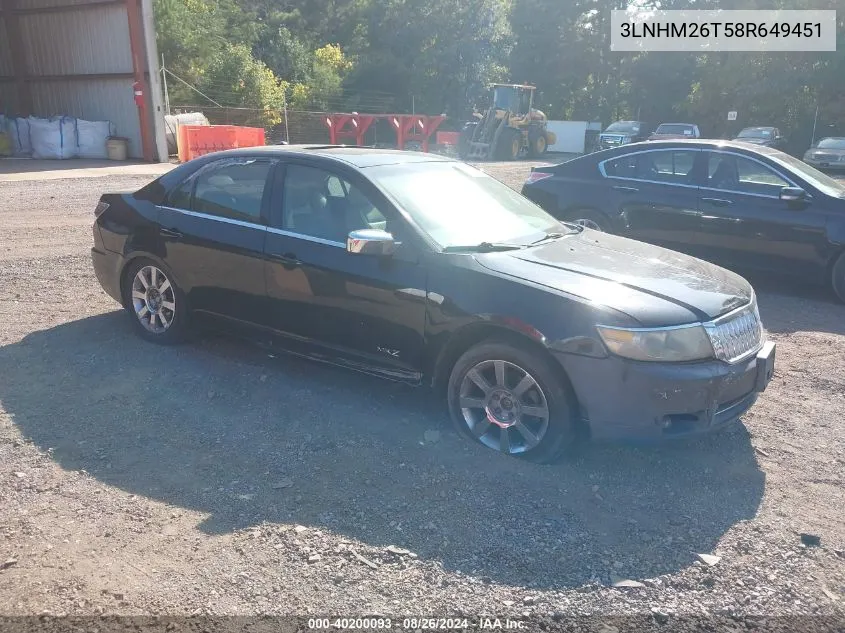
370,242
793,194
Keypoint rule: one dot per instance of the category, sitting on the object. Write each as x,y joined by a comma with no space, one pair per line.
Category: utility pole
164,82
815,120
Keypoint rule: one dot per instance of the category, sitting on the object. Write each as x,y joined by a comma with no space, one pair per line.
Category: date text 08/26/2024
415,624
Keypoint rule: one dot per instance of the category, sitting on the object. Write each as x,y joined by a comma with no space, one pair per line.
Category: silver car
828,153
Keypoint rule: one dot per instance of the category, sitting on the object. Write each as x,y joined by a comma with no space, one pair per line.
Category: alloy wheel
153,299
588,223
504,407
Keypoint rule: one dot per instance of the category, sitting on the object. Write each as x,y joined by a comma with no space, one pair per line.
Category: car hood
653,285
833,151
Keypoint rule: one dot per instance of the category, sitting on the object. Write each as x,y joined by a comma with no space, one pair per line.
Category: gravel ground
212,479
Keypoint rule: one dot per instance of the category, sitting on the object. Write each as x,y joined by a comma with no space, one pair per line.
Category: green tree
235,78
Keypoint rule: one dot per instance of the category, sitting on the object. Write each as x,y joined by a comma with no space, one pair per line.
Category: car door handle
718,202
170,233
628,189
288,259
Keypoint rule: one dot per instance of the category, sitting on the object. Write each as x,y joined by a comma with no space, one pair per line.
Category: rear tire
156,306
537,145
838,278
512,401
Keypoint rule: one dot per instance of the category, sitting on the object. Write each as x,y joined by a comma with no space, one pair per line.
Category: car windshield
459,205
756,132
819,180
831,143
675,128
627,127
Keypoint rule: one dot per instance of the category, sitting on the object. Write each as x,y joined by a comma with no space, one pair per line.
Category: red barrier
448,138
409,127
197,140
348,127
414,127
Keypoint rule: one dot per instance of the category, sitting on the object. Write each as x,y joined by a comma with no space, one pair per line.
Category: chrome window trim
252,225
304,236
218,218
603,172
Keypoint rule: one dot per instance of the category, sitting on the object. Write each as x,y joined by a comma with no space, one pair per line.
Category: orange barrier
448,138
197,140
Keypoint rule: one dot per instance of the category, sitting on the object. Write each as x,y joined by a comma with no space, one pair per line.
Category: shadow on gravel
788,306
220,428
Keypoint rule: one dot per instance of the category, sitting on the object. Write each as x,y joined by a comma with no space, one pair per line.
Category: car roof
355,156
697,143
677,123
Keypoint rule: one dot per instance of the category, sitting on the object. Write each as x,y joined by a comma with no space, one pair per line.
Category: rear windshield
675,128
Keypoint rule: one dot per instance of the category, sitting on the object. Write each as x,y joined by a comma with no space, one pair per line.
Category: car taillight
100,209
534,176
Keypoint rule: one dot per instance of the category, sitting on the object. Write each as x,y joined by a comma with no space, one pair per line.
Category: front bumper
823,164
624,399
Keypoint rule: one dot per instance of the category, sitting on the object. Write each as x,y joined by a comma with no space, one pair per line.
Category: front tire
509,145
512,401
537,145
838,278
156,306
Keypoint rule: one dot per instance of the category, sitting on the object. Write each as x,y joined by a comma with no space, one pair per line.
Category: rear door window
231,188
663,166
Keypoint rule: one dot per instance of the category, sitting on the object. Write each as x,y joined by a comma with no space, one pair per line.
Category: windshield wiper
548,237
575,228
483,247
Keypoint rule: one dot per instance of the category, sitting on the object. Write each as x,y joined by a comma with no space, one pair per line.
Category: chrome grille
830,157
736,335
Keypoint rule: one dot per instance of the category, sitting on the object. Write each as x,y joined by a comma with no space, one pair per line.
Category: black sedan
417,268
761,135
741,206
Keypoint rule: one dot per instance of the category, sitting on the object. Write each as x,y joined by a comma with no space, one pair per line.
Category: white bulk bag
53,138
91,138
18,130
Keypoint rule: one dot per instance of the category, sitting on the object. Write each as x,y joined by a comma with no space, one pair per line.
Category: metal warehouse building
84,59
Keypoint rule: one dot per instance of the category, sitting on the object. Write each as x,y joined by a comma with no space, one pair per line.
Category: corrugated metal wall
85,41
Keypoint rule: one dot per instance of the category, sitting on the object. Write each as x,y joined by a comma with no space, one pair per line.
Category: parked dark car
740,206
426,270
760,135
669,131
828,154
623,133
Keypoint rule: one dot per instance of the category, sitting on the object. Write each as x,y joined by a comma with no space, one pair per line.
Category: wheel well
831,263
123,276
472,335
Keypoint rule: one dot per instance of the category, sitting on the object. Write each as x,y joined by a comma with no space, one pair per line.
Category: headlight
674,344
